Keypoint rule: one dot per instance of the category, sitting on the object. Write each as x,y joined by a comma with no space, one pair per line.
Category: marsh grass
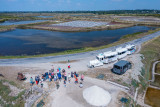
4,93
151,52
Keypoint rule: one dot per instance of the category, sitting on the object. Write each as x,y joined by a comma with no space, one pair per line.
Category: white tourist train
122,52
110,56
131,49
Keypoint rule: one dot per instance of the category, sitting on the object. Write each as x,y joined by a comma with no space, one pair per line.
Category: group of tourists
57,76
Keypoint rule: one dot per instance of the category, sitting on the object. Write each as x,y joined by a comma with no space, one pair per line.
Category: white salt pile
97,96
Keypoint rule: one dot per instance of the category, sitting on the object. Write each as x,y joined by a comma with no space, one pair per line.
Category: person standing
36,79
57,84
82,77
52,75
31,81
81,85
59,69
64,83
41,84
69,77
72,74
69,66
76,80
50,78
55,78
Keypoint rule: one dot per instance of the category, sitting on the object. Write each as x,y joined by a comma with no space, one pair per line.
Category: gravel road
85,55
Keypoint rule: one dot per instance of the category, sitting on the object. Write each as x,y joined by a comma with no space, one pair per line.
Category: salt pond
44,16
81,24
32,41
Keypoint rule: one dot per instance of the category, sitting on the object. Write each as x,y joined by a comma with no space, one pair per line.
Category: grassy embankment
157,69
151,52
4,18
6,100
154,15
124,39
22,26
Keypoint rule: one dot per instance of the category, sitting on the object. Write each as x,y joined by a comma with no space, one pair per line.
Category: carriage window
130,49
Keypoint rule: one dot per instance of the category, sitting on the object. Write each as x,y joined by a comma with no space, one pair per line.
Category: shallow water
20,22
44,16
32,41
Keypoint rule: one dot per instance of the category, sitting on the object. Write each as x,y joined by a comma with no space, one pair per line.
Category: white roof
94,61
121,49
100,55
109,53
130,46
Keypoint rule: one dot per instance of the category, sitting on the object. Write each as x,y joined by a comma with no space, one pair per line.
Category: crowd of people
57,76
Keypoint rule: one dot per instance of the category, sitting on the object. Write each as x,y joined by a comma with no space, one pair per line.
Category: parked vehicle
110,57
121,67
100,57
122,52
95,63
131,49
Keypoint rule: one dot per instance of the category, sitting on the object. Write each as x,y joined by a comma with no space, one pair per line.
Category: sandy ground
71,96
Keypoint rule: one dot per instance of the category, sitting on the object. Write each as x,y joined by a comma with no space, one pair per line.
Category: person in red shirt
76,80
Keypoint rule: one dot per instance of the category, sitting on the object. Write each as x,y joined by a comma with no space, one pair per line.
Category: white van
95,63
110,56
122,52
131,49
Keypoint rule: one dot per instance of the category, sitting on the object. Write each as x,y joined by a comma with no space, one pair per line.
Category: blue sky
59,5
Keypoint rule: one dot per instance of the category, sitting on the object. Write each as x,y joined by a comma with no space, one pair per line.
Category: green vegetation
134,83
156,81
6,100
143,81
14,17
151,52
138,11
25,26
22,26
7,28
157,69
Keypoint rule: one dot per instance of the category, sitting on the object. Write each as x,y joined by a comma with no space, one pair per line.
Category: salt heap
97,96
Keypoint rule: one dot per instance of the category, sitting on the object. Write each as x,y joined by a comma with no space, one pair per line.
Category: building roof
121,63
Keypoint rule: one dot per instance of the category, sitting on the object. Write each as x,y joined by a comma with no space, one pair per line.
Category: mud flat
138,20
152,97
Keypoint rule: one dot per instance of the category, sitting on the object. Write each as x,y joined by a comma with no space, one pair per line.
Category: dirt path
71,96
153,70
